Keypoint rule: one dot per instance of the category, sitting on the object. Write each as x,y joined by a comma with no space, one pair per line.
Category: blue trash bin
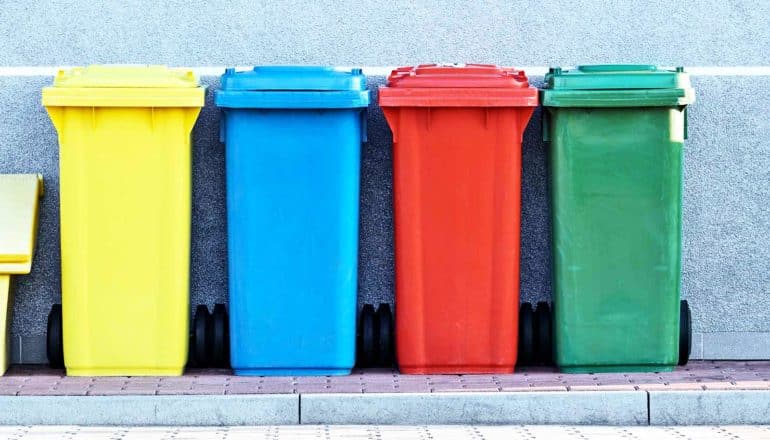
293,147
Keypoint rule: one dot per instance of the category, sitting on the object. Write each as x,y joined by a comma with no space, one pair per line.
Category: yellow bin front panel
125,238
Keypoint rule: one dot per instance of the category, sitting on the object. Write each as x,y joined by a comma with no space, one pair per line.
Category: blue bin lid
293,87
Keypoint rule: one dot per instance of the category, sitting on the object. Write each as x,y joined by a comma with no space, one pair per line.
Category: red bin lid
458,85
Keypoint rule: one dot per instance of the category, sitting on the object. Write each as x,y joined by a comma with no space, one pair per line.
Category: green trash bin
616,136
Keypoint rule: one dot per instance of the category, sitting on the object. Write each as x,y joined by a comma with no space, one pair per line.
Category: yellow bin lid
124,86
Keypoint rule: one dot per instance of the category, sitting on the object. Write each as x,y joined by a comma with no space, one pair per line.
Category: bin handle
545,124
685,122
364,134
222,120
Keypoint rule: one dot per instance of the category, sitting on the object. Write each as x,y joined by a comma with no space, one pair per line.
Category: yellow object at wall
19,194
125,189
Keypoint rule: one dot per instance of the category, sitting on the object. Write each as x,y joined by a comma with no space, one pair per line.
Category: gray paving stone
603,408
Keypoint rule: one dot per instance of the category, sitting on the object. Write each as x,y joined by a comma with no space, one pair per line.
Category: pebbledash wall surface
724,44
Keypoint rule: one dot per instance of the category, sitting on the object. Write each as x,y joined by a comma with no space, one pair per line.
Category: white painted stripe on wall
27,71
729,70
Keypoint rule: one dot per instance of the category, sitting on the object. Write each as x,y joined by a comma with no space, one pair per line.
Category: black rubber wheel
685,332
384,336
54,340
526,335
366,336
199,343
543,334
220,340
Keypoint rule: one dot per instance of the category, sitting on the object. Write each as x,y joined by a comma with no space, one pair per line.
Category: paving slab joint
647,394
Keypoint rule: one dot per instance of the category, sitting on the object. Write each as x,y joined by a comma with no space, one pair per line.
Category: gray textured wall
726,259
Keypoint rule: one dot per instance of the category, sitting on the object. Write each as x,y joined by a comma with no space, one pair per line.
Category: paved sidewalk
386,433
703,393
696,376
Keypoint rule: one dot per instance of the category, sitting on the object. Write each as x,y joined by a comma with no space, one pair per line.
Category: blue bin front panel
292,200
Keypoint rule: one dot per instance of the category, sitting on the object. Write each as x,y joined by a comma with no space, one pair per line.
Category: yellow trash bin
125,185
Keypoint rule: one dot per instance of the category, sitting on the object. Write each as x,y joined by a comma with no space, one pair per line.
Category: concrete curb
531,407
544,407
150,410
709,407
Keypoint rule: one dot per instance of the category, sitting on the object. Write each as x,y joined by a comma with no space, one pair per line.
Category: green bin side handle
680,70
545,124
685,122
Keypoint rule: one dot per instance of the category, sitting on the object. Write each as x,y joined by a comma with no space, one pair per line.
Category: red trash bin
457,133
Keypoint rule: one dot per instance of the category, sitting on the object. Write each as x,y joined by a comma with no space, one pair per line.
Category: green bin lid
617,85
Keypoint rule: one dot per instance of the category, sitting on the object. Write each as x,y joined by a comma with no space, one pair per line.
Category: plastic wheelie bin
457,133
124,137
293,145
616,136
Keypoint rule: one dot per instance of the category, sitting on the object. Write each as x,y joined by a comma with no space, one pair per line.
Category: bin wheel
526,335
200,338
366,336
385,336
54,340
543,337
685,332
220,339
